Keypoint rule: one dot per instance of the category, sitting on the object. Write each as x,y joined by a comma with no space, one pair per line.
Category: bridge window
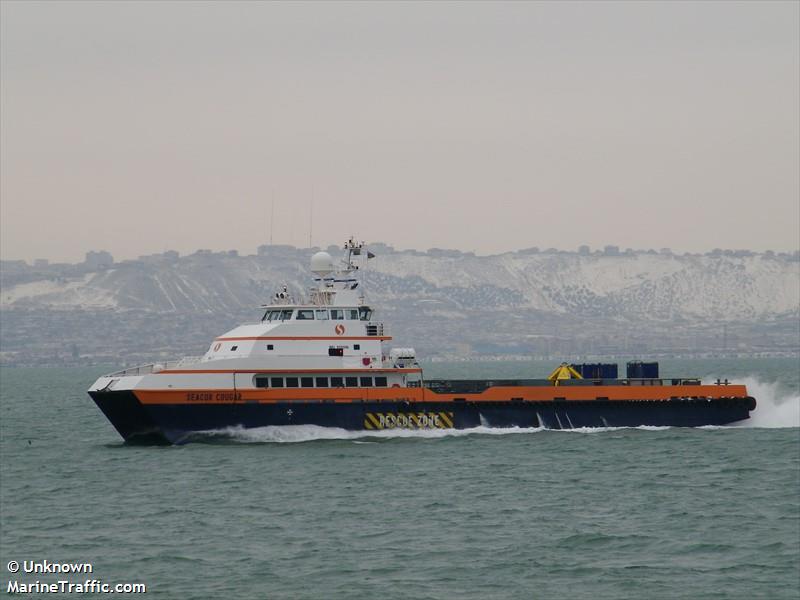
322,382
380,382
322,315
365,313
291,382
307,381
261,381
366,382
351,381
337,314
352,314
305,315
337,382
286,315
276,382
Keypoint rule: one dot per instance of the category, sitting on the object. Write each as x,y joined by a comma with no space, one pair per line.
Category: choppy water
317,513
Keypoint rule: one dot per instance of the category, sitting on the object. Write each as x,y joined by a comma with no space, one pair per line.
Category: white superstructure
329,339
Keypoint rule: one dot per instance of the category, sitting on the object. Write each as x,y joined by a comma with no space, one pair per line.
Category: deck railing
156,367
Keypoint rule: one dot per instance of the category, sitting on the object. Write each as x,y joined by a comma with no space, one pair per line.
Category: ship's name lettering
409,420
208,396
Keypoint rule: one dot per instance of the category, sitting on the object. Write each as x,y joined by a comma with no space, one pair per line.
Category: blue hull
177,423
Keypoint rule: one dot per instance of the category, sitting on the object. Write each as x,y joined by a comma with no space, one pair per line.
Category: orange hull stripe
303,338
365,371
497,394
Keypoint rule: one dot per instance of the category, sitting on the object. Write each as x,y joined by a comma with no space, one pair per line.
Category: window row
265,381
319,314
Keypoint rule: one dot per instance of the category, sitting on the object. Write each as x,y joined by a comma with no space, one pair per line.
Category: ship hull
132,420
177,423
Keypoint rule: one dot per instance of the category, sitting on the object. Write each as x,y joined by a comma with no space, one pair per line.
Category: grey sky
148,126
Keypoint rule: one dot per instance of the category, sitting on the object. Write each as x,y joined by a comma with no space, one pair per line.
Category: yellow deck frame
563,371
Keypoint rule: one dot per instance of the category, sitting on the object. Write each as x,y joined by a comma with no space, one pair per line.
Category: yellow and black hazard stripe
416,420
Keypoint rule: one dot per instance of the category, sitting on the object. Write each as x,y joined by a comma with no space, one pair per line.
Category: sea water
308,512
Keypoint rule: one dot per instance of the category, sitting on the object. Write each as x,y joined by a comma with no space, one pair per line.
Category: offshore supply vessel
322,361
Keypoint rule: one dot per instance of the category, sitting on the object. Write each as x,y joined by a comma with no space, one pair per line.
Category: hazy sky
140,127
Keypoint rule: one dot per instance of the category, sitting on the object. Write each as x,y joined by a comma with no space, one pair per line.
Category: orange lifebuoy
217,346
339,329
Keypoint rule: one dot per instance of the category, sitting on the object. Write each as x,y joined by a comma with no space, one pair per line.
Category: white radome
322,264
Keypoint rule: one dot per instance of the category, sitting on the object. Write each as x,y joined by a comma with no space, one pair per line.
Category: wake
309,433
775,408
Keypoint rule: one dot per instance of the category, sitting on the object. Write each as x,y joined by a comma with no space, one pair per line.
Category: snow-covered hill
443,302
649,286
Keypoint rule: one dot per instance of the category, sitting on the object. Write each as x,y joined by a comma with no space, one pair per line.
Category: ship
324,360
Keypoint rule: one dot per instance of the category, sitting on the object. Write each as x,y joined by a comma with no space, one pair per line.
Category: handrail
151,367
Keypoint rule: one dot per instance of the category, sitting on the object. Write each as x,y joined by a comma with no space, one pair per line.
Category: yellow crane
563,371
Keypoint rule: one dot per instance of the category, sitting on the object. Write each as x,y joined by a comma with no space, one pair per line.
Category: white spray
774,407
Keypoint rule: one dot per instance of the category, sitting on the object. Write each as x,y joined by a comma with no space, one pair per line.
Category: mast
272,217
